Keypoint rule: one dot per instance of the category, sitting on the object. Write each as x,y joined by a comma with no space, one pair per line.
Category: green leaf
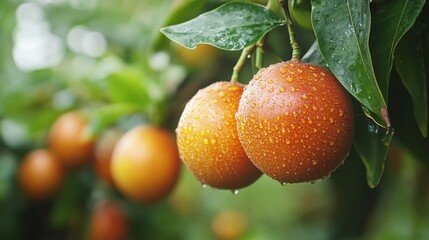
232,26
103,117
314,56
411,66
390,21
127,86
182,10
372,144
342,31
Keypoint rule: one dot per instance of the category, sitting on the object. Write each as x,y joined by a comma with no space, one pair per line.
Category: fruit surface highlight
207,138
145,164
295,122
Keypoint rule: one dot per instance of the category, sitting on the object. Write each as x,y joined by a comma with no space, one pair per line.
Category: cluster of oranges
142,163
293,121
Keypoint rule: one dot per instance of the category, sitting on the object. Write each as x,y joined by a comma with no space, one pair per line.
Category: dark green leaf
411,66
342,31
390,21
232,26
181,11
372,144
314,56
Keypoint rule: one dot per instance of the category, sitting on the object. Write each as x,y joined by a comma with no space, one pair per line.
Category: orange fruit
67,139
103,154
40,174
295,122
108,222
145,164
229,224
208,142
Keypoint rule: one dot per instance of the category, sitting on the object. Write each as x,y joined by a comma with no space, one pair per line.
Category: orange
145,164
67,139
108,222
295,122
40,174
208,142
103,154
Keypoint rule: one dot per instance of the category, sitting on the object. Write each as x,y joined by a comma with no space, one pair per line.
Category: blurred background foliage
109,59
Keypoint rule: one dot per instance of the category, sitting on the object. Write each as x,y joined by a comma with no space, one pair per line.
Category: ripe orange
295,122
108,222
208,141
145,164
40,174
229,224
103,154
68,141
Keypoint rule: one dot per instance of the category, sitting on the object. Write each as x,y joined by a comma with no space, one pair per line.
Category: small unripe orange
67,139
145,164
208,142
295,122
40,174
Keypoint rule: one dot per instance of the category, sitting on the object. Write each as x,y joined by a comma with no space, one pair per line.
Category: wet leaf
411,66
342,31
389,22
314,56
232,26
372,144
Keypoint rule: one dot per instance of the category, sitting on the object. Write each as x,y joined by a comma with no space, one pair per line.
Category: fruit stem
296,53
259,62
241,61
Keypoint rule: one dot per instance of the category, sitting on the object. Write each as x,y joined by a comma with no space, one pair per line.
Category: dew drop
283,183
235,191
312,181
204,185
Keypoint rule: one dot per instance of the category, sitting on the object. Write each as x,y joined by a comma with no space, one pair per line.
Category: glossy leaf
232,26
314,56
372,144
390,21
411,66
342,30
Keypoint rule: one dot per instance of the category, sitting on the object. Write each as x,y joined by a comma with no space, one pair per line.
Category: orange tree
112,62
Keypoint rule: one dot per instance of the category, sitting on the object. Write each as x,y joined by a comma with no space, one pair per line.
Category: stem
296,53
260,52
240,63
